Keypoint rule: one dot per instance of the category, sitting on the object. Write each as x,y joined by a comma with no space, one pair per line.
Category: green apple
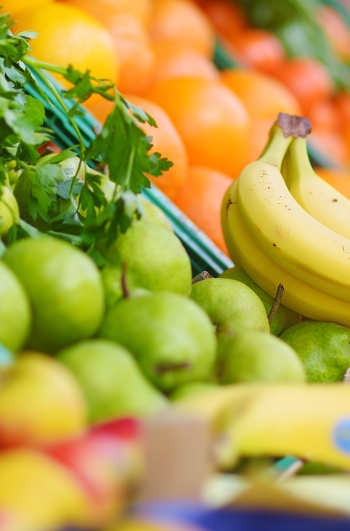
284,316
64,287
153,257
40,402
171,337
323,347
15,310
231,305
252,356
111,380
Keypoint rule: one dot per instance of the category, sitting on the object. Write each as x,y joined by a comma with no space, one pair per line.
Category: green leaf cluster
58,201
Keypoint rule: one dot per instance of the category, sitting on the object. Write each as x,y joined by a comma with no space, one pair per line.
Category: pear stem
201,276
125,291
276,303
162,368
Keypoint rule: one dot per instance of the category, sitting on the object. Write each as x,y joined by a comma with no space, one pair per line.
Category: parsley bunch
80,211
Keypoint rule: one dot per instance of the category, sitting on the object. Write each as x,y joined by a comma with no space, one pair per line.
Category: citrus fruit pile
211,122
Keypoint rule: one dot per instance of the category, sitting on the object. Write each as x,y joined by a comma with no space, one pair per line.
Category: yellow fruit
16,6
38,493
69,35
9,211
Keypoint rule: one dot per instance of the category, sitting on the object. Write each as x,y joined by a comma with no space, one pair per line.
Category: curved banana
276,420
321,200
297,295
288,420
285,231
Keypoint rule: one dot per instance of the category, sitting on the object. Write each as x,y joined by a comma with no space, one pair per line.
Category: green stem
41,65
130,166
38,66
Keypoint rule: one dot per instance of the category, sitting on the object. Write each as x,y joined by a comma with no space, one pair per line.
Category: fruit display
129,378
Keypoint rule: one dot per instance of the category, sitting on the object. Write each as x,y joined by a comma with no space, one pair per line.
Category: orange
210,118
324,115
165,139
200,199
258,48
331,145
307,78
182,22
68,35
104,9
179,60
227,17
127,23
342,104
264,97
16,6
134,52
338,178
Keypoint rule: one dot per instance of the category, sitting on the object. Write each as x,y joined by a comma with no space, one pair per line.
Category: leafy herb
81,211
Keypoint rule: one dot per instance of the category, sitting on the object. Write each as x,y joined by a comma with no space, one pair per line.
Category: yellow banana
290,420
316,196
285,231
298,295
251,420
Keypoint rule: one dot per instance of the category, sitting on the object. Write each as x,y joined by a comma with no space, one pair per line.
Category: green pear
323,347
231,305
192,389
111,380
152,258
284,316
254,356
154,214
171,337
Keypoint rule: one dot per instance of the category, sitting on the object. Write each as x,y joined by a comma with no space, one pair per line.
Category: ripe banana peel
321,200
311,422
276,240
298,295
286,232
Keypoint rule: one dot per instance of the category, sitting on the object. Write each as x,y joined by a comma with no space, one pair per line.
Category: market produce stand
183,465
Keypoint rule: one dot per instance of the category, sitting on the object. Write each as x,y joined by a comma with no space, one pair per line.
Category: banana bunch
250,420
285,225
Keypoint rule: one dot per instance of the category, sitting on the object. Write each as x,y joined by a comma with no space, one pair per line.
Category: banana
316,196
251,420
284,420
297,295
284,230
